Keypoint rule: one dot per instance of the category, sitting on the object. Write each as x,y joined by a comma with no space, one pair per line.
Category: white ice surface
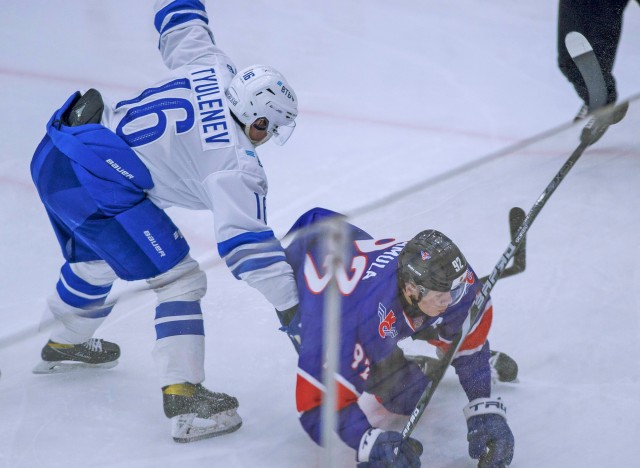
392,94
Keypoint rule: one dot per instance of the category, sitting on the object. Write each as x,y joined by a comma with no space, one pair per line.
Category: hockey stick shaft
483,296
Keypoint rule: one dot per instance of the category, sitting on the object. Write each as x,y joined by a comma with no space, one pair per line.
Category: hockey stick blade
516,216
483,296
585,59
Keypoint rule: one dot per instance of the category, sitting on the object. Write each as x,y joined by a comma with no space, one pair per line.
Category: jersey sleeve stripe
477,337
474,340
176,9
253,264
181,18
252,250
227,246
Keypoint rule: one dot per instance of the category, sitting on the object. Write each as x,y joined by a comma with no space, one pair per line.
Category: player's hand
598,124
380,448
428,365
290,321
490,439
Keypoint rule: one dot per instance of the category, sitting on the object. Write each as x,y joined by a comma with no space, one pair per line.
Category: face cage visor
281,133
458,289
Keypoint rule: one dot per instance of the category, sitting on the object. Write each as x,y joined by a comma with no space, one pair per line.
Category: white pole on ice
335,244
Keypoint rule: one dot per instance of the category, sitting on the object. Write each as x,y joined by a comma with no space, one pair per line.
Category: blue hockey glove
490,439
380,449
290,321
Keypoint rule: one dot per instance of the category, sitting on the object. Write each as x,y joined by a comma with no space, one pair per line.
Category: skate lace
93,344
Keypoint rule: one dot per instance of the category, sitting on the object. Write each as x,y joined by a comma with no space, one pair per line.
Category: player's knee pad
184,282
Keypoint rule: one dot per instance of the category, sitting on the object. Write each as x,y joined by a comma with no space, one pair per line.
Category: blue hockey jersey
373,320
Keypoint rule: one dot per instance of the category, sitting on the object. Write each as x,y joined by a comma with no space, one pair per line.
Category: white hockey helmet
261,91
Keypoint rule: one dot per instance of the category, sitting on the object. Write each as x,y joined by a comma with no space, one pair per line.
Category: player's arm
472,359
185,36
245,242
396,382
489,436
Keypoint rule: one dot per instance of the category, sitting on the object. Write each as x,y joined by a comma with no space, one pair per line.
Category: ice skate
92,354
197,413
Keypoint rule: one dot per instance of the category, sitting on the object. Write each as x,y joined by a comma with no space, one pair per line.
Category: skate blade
60,367
189,428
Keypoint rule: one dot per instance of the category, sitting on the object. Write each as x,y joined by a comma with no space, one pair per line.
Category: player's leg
144,243
76,310
195,412
77,305
601,23
116,223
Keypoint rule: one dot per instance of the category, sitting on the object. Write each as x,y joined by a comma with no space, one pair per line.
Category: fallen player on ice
390,291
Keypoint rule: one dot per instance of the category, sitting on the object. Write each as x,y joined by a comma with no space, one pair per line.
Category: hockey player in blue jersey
106,171
391,290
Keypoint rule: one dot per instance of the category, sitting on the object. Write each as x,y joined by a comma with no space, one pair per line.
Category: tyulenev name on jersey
212,114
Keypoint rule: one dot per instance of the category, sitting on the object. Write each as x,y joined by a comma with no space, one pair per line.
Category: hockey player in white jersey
105,172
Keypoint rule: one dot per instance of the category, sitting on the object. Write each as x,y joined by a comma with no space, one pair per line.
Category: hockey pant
107,228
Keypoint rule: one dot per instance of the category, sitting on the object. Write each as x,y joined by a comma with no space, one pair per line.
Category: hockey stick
483,296
516,216
587,63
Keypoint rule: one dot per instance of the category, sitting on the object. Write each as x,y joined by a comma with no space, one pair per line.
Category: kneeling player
391,290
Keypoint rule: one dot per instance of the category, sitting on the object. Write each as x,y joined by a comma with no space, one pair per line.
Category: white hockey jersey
199,158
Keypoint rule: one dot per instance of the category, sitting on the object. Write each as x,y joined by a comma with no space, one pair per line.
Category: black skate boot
197,413
93,353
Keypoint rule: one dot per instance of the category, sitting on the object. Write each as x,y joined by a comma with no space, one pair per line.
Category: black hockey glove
428,365
598,124
380,448
490,438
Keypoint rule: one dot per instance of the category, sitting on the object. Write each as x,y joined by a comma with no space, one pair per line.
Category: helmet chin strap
247,129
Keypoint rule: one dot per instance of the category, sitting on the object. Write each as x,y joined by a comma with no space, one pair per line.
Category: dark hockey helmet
431,260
